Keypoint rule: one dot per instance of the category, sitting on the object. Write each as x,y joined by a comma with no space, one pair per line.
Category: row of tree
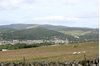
20,46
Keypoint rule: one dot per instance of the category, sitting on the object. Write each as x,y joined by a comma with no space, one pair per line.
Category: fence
94,62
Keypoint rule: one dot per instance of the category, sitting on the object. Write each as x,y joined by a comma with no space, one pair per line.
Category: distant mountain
35,34
6,29
17,26
76,31
64,28
50,27
90,36
36,31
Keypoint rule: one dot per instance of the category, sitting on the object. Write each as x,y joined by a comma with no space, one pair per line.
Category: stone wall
94,62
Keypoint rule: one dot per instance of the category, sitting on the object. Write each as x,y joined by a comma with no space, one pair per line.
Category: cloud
13,4
73,1
28,1
9,4
55,18
64,12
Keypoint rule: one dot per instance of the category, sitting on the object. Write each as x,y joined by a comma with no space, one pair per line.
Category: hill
36,31
75,31
51,27
16,26
90,36
35,34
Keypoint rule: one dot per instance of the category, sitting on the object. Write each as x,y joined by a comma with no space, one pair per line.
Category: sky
73,13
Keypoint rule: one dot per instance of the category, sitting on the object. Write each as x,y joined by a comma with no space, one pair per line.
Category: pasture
76,33
52,53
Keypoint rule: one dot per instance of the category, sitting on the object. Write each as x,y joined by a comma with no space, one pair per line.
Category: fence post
84,56
24,61
85,63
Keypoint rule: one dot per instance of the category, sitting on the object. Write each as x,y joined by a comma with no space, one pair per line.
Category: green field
52,53
76,33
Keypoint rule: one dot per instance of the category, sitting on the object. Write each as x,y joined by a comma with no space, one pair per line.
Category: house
4,50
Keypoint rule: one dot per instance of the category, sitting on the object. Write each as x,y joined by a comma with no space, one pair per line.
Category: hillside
51,27
35,34
16,26
63,29
90,36
36,31
75,31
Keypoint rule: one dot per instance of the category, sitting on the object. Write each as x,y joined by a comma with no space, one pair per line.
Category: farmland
52,53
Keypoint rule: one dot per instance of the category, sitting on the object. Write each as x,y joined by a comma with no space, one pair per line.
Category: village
12,42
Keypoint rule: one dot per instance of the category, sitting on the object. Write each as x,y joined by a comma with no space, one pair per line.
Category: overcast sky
74,13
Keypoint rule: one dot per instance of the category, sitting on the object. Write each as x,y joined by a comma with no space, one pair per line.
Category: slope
35,34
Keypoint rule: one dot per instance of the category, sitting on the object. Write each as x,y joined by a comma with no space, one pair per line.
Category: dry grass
52,53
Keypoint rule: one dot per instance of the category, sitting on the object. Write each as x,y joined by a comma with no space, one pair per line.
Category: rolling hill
36,31
35,34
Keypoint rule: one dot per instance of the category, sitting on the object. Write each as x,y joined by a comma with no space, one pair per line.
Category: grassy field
52,53
76,33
